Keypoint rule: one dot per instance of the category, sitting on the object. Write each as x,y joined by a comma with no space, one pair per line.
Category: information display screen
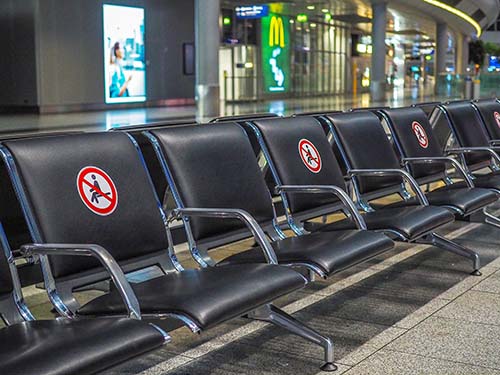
124,59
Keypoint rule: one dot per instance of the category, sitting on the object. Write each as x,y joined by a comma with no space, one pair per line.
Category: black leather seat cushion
330,251
208,296
412,222
80,347
466,199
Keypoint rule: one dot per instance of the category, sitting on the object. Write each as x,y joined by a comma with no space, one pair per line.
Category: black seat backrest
467,128
11,214
301,155
364,145
57,179
214,166
414,138
245,117
148,152
317,115
427,107
489,111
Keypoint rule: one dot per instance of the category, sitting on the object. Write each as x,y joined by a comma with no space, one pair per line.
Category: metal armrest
441,159
494,142
341,194
474,150
387,172
96,251
232,213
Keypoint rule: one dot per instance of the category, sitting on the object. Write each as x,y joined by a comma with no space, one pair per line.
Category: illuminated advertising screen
124,59
276,53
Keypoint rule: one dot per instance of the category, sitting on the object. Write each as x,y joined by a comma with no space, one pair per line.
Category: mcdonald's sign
275,44
276,32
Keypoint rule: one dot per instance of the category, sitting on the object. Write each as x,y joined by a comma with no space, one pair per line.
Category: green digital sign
275,43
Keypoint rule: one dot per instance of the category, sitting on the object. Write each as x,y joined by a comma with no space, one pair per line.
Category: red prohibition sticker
497,118
419,131
309,155
97,190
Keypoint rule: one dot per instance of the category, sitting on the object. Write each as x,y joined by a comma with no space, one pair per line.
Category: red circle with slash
497,118
97,190
420,133
309,155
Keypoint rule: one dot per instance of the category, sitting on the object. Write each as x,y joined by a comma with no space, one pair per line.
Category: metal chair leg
455,248
276,316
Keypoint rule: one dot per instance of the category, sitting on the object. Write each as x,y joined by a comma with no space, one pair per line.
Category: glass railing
450,85
490,85
453,85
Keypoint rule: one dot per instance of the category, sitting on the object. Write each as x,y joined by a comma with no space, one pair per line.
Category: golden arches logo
276,32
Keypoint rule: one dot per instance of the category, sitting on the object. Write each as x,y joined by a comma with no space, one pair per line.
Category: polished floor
104,120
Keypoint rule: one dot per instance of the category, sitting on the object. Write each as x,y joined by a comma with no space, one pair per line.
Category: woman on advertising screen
118,82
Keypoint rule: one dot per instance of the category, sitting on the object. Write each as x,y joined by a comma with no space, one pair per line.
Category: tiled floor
104,120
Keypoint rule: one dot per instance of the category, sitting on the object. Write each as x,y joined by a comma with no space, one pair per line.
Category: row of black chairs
96,206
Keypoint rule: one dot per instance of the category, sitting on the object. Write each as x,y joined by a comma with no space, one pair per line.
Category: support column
207,40
441,47
465,52
379,24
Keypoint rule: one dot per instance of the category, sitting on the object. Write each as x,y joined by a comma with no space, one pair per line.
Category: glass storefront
320,58
283,55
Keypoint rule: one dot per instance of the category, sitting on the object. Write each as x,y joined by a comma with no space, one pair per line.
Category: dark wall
18,56
69,50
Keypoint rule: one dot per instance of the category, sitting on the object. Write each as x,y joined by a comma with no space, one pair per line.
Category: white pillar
207,40
379,24
441,47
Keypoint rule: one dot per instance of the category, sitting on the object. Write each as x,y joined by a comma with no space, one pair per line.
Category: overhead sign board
252,11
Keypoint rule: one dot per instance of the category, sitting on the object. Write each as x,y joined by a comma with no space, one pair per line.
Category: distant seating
489,111
474,148
373,167
420,152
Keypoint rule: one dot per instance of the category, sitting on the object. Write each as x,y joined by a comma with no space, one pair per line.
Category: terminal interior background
105,66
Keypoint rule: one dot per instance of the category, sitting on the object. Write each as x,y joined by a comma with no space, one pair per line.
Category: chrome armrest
474,150
341,194
494,142
96,251
388,172
441,159
232,213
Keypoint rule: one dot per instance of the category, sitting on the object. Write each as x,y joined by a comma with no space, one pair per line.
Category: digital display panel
124,59
276,53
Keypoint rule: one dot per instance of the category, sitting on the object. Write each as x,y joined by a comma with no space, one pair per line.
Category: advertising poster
124,59
276,53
